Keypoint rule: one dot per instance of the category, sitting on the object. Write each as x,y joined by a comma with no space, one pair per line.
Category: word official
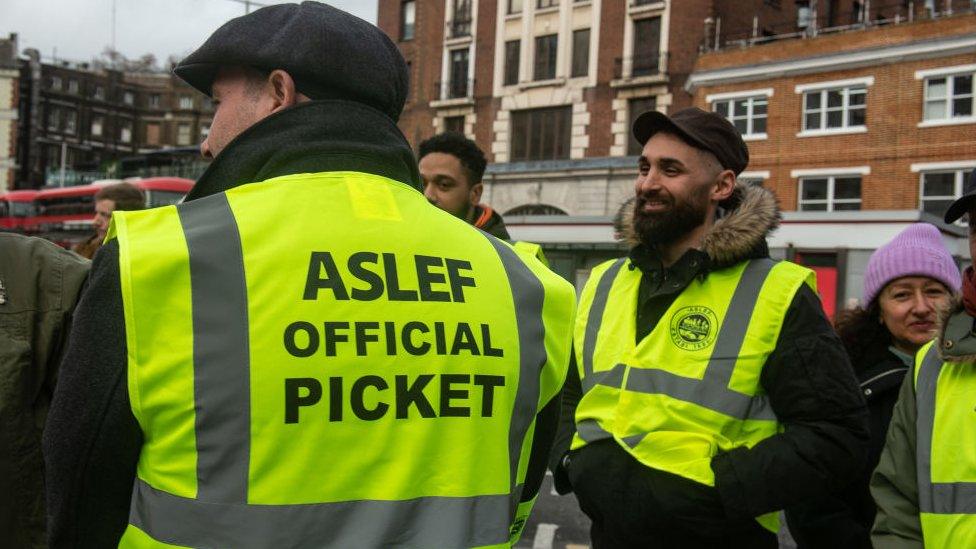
303,339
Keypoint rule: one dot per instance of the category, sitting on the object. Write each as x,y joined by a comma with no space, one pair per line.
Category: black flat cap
964,203
329,53
708,131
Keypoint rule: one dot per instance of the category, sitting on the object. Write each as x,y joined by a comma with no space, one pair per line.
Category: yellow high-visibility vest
945,449
328,360
533,249
691,388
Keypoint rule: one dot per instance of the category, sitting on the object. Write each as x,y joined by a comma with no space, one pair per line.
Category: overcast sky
81,29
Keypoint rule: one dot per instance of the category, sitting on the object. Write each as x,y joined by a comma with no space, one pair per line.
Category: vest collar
312,137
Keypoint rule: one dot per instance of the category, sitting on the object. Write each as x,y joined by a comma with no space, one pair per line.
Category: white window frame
186,102
70,121
949,73
831,175
128,97
751,96
53,115
757,175
845,86
408,15
125,132
184,134
961,170
96,126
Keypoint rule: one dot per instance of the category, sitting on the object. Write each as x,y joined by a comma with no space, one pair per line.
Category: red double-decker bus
72,208
16,210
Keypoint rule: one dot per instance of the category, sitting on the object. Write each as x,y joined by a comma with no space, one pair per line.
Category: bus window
21,209
155,199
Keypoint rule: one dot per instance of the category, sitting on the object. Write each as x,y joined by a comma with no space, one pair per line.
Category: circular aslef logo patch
694,328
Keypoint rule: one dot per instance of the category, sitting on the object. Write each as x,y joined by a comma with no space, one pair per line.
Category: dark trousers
632,505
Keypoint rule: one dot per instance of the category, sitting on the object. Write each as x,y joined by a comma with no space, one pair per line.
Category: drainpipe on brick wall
812,29
718,32
709,28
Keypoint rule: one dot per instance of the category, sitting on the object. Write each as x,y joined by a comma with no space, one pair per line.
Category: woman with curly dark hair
908,281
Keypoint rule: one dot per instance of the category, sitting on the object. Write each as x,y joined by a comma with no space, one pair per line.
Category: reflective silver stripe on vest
712,391
614,377
590,431
708,393
221,351
421,522
595,320
943,498
528,296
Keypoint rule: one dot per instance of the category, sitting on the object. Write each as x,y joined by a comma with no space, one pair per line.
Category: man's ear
475,193
724,185
281,87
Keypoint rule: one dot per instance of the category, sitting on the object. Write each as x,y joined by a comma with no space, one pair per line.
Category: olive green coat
894,485
39,285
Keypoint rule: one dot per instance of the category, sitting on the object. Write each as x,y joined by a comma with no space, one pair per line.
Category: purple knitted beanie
916,251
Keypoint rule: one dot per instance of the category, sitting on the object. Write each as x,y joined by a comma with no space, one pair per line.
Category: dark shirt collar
692,263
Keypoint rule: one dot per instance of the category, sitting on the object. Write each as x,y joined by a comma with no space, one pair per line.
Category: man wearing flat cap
711,390
292,357
925,483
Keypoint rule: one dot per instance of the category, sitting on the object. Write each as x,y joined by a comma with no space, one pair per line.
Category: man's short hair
126,196
460,147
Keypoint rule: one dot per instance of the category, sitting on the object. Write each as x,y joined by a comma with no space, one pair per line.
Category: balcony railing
455,88
812,23
461,27
640,65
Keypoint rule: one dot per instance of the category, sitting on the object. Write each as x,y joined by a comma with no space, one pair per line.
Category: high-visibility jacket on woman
945,449
328,360
691,388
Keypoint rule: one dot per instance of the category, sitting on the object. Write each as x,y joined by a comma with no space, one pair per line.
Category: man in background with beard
725,396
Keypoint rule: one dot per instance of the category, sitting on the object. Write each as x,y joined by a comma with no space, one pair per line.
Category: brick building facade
90,118
9,80
847,106
878,118
549,88
858,130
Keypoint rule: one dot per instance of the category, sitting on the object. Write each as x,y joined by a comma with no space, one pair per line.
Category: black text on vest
438,278
404,398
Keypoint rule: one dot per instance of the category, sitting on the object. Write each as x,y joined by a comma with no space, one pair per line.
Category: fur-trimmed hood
957,334
752,214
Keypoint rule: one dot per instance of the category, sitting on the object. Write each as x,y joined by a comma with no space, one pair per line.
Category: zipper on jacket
868,391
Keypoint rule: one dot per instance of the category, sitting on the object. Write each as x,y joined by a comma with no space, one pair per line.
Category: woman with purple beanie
907,283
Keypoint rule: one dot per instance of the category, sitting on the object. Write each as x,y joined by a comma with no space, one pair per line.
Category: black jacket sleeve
92,440
546,422
572,393
812,389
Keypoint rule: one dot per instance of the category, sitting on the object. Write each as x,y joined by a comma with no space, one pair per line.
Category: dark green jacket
894,485
39,285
